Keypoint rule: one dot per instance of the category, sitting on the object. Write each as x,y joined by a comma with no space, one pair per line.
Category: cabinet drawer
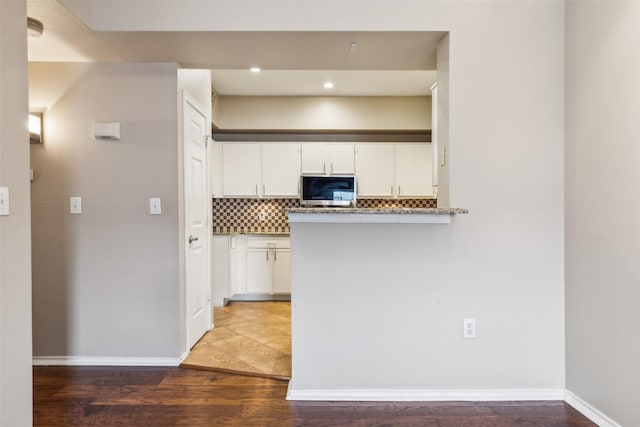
268,243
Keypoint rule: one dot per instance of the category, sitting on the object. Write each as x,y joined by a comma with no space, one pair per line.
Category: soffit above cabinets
381,63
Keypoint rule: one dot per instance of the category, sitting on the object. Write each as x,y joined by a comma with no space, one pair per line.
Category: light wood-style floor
249,338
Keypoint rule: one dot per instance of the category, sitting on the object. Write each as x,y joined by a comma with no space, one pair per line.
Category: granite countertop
395,211
321,215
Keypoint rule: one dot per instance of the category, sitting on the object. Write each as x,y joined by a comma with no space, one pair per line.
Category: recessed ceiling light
255,69
328,85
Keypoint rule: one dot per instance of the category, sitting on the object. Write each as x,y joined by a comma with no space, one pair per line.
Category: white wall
603,206
106,283
325,112
15,235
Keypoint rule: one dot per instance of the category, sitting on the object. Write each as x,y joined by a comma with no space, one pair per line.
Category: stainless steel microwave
328,190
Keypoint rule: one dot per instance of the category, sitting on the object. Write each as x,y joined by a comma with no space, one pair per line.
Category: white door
197,235
280,170
341,159
414,177
259,271
241,169
374,170
282,271
313,158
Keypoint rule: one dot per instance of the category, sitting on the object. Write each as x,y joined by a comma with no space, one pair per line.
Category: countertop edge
373,215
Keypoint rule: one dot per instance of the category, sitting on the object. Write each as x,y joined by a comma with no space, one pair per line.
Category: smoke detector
34,27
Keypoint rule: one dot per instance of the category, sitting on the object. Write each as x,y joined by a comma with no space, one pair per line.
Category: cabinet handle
275,256
264,192
256,189
392,190
331,168
267,255
324,167
399,192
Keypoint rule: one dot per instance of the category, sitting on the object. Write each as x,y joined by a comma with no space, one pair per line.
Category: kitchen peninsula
362,281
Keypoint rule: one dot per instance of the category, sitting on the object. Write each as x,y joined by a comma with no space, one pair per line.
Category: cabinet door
282,271
259,271
240,169
314,158
374,170
413,170
220,269
340,159
280,170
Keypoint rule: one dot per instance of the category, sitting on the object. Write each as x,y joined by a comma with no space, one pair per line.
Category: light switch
155,206
75,205
4,201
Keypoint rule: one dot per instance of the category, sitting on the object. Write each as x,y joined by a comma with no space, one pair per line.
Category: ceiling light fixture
328,85
34,27
255,69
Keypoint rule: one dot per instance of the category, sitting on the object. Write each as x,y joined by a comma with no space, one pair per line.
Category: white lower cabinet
251,267
259,271
282,271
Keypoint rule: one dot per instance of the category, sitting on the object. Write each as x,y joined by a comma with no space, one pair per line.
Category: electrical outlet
262,216
469,328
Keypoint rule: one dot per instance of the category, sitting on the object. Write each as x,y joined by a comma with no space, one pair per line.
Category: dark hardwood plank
86,396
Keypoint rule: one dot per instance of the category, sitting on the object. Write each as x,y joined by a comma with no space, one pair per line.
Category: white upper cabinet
254,170
341,159
328,159
413,168
241,174
394,170
280,170
374,170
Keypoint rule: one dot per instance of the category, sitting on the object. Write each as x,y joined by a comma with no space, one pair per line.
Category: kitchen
257,180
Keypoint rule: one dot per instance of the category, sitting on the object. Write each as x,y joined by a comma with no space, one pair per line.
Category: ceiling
292,63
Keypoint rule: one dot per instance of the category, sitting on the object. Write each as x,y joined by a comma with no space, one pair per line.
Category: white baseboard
589,411
425,395
107,361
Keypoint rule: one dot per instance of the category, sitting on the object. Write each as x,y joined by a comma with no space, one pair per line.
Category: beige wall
603,238
15,236
302,112
106,283
504,262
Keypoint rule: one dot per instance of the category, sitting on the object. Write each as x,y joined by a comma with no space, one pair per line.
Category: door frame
188,101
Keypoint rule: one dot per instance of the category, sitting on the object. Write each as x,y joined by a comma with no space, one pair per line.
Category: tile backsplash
266,216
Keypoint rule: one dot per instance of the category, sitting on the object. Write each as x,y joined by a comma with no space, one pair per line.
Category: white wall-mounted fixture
155,206
35,128
328,85
4,201
34,27
75,205
107,131
255,69
469,328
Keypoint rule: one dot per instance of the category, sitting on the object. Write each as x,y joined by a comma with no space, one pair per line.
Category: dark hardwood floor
101,396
